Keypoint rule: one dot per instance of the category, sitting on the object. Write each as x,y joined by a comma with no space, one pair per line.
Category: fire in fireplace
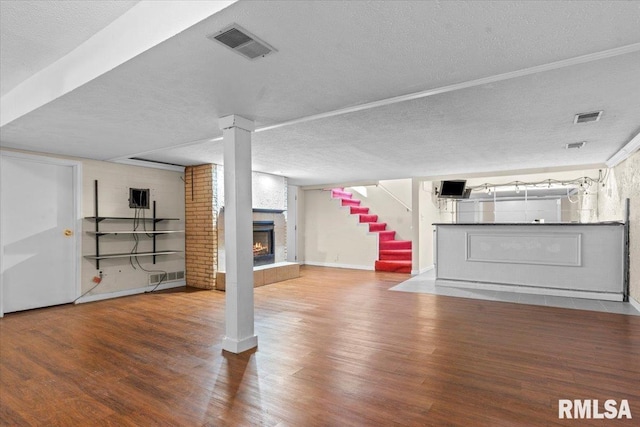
263,243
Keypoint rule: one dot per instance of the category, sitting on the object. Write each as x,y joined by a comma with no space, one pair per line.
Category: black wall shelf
125,218
129,254
153,233
102,233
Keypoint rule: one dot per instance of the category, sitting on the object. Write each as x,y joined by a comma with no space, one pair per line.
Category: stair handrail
394,197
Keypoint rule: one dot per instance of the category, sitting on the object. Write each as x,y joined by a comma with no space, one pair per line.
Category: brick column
201,237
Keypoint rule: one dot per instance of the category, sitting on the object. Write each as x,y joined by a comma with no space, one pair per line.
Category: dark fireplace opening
263,243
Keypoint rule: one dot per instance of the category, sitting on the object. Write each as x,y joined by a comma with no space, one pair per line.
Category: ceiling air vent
588,117
575,145
243,42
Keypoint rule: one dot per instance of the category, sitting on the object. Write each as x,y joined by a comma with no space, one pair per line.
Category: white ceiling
483,87
37,33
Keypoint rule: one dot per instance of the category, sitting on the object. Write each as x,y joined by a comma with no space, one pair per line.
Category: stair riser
403,270
392,255
359,210
350,202
368,218
395,244
339,194
394,266
394,258
377,226
387,235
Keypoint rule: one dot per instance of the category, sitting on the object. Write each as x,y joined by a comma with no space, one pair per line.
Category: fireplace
263,252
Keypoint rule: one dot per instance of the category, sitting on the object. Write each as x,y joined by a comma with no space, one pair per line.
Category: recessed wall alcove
205,227
269,199
261,220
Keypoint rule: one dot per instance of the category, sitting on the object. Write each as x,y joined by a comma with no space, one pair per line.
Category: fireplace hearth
263,243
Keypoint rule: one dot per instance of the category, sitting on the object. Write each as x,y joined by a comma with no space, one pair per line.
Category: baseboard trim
239,346
634,303
424,270
336,265
605,296
128,292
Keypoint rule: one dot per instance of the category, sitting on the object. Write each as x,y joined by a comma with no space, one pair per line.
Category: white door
38,228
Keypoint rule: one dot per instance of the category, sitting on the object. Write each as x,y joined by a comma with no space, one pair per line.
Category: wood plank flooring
336,348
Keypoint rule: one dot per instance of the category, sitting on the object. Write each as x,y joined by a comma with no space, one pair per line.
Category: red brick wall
201,239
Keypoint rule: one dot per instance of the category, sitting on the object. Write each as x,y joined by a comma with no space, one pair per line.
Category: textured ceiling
36,33
523,123
163,105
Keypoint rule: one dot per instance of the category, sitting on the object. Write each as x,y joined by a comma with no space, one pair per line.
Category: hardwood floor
335,349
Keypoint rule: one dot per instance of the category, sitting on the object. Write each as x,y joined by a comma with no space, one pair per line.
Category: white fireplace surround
279,234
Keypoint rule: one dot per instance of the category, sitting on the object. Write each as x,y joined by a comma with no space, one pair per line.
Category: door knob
68,233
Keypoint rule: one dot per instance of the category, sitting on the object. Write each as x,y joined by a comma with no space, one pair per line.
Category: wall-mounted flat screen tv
454,189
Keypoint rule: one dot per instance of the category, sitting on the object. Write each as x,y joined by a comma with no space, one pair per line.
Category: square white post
238,218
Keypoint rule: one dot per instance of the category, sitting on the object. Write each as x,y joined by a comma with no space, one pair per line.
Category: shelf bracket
153,237
95,208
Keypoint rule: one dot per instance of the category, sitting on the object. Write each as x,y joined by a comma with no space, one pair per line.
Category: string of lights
583,183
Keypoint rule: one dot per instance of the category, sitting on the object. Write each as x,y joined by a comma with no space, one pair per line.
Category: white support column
292,223
238,218
416,214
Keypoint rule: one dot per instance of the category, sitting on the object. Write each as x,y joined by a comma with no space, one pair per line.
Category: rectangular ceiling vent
156,161
575,145
243,42
588,117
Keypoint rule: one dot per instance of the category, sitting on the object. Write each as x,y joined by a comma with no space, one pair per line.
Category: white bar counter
563,259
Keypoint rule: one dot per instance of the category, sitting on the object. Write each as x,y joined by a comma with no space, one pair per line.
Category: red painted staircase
393,255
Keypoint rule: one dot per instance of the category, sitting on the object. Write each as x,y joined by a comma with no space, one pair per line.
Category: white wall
391,201
409,207
301,210
584,210
292,219
267,192
333,237
623,182
425,214
114,181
